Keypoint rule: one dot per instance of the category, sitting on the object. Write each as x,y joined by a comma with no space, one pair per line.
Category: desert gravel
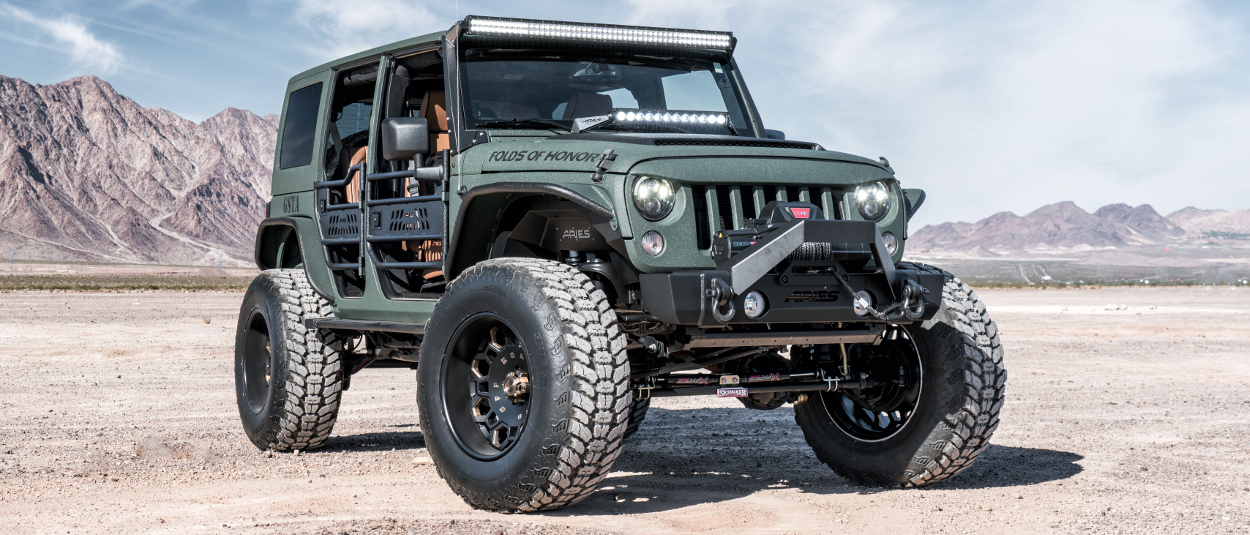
1128,412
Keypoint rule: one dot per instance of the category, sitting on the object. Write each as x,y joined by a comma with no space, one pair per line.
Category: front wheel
523,386
935,416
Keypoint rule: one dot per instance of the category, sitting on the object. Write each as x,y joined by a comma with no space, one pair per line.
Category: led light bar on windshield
599,33
661,121
673,117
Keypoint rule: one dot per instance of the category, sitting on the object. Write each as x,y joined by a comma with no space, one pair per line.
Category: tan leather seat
434,110
353,187
587,105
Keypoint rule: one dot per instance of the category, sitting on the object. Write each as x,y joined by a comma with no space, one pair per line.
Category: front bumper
713,298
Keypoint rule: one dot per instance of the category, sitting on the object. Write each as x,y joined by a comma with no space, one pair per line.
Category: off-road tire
962,393
298,409
579,402
637,413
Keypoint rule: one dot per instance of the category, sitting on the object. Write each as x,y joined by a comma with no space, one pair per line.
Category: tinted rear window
301,121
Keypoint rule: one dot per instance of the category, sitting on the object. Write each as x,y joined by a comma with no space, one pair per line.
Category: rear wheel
944,390
523,386
287,378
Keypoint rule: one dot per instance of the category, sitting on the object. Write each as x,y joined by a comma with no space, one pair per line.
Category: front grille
775,144
729,207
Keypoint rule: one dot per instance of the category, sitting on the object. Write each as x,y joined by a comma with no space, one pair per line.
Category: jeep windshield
554,92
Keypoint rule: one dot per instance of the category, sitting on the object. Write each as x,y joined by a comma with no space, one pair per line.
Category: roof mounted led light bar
525,31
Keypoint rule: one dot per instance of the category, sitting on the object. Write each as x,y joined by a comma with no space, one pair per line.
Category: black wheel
486,386
878,413
287,379
523,385
944,382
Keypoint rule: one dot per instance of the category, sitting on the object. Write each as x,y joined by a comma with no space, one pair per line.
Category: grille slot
702,228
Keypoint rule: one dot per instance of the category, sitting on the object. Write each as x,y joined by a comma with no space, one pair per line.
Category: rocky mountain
1065,226
1208,223
88,174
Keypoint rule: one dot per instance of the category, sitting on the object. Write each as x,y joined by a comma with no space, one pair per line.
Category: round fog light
863,303
754,305
891,243
653,243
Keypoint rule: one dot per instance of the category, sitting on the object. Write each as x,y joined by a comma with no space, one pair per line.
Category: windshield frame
737,87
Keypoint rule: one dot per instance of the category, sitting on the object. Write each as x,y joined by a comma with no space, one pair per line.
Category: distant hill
1066,227
88,174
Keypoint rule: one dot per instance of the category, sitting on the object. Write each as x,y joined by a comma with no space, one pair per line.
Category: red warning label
801,213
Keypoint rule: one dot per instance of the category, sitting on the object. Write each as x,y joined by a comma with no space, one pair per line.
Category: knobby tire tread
637,413
314,370
985,380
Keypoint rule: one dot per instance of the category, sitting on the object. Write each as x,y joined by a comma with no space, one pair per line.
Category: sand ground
1128,412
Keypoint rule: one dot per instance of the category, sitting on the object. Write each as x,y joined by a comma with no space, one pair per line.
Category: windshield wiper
522,123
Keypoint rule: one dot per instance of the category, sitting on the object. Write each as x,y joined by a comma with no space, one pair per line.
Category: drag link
825,385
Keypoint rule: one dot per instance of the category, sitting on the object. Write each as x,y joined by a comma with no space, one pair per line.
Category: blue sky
989,105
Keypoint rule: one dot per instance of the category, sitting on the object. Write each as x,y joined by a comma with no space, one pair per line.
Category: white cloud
72,37
1006,106
358,25
1093,101
695,14
167,5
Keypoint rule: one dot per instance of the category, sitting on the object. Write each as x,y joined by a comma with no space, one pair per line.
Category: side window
299,126
354,121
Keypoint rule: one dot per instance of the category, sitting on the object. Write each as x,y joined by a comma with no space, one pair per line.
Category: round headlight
891,243
653,197
653,243
873,200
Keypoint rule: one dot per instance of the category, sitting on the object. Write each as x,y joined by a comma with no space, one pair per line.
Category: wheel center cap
516,386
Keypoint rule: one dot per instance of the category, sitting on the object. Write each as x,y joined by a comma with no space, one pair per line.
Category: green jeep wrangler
554,223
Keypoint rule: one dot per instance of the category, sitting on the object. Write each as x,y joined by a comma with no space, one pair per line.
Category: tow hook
913,299
721,294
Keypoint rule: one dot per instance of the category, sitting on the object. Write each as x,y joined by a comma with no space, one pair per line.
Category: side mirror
405,137
774,134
